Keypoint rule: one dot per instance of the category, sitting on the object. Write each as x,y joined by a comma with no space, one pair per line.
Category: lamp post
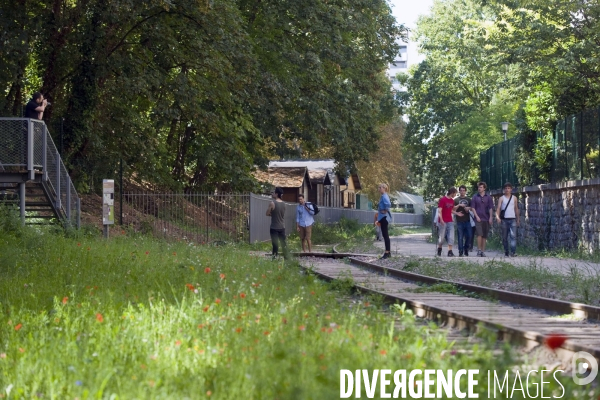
504,128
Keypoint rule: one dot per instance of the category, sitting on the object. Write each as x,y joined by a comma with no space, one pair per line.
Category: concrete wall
559,215
259,222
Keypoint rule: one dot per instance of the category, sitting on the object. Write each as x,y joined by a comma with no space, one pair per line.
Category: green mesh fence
575,152
498,164
575,147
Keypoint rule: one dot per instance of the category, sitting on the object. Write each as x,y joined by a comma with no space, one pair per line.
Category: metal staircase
33,176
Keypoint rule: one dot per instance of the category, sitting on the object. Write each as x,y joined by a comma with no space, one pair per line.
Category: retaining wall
559,215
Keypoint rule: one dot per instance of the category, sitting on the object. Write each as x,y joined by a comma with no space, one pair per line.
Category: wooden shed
293,181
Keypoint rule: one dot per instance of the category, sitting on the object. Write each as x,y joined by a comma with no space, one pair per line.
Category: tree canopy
525,62
196,93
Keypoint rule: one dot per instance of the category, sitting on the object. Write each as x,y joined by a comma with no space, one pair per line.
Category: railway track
515,317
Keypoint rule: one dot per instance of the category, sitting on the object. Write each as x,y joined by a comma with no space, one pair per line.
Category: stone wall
559,215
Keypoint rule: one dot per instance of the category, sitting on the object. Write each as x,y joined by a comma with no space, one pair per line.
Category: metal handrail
28,145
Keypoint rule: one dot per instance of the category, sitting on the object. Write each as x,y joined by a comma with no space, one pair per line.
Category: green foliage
10,221
138,318
197,93
344,283
455,99
493,58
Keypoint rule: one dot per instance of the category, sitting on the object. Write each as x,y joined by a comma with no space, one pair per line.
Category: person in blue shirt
304,221
384,217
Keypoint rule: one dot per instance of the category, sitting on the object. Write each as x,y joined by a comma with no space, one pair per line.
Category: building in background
326,187
400,64
408,202
293,181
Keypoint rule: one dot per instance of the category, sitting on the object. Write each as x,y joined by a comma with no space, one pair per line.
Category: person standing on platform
445,221
276,211
462,205
483,206
384,217
36,106
304,221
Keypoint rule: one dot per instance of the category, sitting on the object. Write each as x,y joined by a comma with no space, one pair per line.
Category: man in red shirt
445,221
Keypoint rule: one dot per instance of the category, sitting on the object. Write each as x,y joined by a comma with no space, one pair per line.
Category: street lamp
504,128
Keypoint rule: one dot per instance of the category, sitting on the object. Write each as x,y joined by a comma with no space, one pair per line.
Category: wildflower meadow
137,318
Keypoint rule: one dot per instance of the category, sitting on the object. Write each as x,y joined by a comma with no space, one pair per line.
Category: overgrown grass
532,279
134,317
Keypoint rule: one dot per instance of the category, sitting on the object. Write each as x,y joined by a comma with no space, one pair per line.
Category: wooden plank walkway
525,325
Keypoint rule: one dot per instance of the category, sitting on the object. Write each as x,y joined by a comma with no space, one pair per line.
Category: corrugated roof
285,177
328,164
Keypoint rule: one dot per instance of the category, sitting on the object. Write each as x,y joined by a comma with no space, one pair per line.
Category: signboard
108,201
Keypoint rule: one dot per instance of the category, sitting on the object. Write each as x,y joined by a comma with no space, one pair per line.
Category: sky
407,12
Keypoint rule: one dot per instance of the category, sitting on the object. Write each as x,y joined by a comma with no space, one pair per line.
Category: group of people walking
474,216
470,216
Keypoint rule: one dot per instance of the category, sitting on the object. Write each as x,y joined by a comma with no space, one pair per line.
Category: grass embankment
133,317
532,279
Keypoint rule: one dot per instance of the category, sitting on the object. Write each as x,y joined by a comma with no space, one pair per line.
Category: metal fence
26,146
197,217
210,218
576,147
497,163
259,222
575,152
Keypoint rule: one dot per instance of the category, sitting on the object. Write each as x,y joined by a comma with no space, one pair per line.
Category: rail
27,154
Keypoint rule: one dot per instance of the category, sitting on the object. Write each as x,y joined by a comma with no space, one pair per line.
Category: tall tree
196,93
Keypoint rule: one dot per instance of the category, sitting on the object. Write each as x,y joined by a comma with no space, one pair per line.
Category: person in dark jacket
36,106
276,211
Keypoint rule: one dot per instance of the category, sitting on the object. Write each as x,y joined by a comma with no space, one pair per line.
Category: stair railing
26,147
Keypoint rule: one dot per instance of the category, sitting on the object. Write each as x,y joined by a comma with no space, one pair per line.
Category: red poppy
238,330
190,286
218,301
383,352
266,333
147,252
555,340
19,326
178,343
99,317
302,327
78,244
206,270
222,276
313,293
242,295
205,309
65,299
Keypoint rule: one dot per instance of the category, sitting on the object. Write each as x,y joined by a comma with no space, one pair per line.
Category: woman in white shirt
507,213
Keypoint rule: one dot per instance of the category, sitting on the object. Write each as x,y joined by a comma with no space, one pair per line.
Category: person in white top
507,213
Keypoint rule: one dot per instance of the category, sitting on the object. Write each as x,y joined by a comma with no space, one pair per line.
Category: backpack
315,208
